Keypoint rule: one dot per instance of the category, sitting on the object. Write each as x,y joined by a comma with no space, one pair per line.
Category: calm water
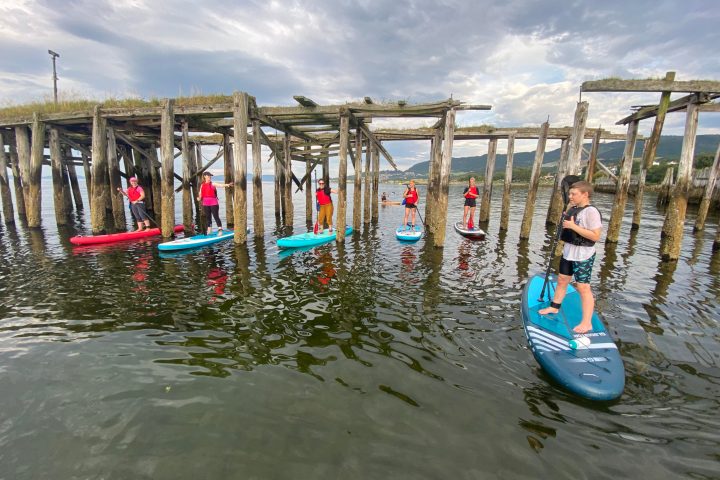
375,359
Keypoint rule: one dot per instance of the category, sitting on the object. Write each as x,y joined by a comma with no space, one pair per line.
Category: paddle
317,208
565,188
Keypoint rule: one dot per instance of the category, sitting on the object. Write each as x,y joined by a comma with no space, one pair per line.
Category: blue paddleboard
409,234
595,371
195,241
310,239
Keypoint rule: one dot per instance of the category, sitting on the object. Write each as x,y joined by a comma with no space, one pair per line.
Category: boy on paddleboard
136,195
582,226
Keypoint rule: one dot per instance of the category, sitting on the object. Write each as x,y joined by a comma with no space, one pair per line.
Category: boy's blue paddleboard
310,239
195,241
409,234
595,371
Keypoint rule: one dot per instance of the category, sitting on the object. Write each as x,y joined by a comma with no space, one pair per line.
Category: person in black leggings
209,200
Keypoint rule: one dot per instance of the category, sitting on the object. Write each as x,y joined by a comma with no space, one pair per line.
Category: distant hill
609,153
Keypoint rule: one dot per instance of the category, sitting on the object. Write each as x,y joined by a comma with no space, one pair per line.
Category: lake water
372,359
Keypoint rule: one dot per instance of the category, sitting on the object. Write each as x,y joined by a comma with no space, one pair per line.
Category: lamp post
55,78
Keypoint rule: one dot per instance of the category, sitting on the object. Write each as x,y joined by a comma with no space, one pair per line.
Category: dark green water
375,359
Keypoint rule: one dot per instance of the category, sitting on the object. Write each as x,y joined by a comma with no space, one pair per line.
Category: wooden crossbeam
679,104
271,122
606,170
366,131
304,101
619,85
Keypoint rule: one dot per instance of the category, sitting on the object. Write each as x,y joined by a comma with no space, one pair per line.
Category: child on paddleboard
209,200
582,226
136,195
471,194
411,199
322,193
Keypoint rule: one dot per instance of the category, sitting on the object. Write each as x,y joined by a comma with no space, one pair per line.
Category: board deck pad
409,234
466,232
596,371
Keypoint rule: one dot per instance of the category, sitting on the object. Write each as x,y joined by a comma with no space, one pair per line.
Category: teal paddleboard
195,241
310,239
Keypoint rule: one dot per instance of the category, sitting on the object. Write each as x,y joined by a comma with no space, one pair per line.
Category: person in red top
209,200
136,195
411,200
324,200
471,193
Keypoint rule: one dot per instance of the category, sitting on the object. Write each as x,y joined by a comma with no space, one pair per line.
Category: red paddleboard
118,237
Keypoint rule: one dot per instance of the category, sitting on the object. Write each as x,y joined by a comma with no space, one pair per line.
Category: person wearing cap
325,205
136,195
209,200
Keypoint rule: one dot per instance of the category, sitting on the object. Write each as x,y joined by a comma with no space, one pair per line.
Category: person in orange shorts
326,206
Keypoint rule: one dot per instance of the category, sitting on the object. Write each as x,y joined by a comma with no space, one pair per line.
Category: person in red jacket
209,200
324,200
471,194
411,199
136,195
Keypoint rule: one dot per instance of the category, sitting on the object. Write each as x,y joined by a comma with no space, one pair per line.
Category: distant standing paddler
411,199
471,194
136,195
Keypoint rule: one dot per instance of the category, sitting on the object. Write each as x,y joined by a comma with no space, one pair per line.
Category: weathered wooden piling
526,225
431,199
197,158
22,144
592,160
505,210
675,216
187,198
74,184
623,185
56,165
651,145
367,212
5,195
556,200
258,220
228,173
87,171
707,194
37,154
240,123
444,186
118,204
484,216
357,191
167,154
277,184
308,191
375,181
99,167
17,180
666,187
288,193
341,219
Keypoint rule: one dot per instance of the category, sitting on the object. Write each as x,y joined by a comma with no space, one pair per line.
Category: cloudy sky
525,58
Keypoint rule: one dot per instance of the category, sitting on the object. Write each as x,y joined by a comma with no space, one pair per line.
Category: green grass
48,106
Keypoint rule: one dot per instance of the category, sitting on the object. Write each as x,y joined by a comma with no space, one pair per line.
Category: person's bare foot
548,311
583,327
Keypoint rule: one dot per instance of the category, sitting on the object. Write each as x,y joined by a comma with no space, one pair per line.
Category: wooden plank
366,131
240,123
99,166
271,122
526,225
674,106
444,186
341,219
649,152
258,220
677,207
708,193
621,193
484,216
505,209
304,101
651,85
167,182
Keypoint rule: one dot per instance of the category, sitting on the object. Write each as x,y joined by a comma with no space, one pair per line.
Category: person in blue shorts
582,226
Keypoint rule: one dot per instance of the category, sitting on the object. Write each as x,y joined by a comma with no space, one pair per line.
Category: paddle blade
315,229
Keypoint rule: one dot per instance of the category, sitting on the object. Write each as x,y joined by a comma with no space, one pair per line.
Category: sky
525,58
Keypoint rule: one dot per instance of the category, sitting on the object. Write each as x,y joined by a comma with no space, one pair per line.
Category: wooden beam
167,147
651,85
271,122
366,131
674,106
240,123
368,100
304,101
